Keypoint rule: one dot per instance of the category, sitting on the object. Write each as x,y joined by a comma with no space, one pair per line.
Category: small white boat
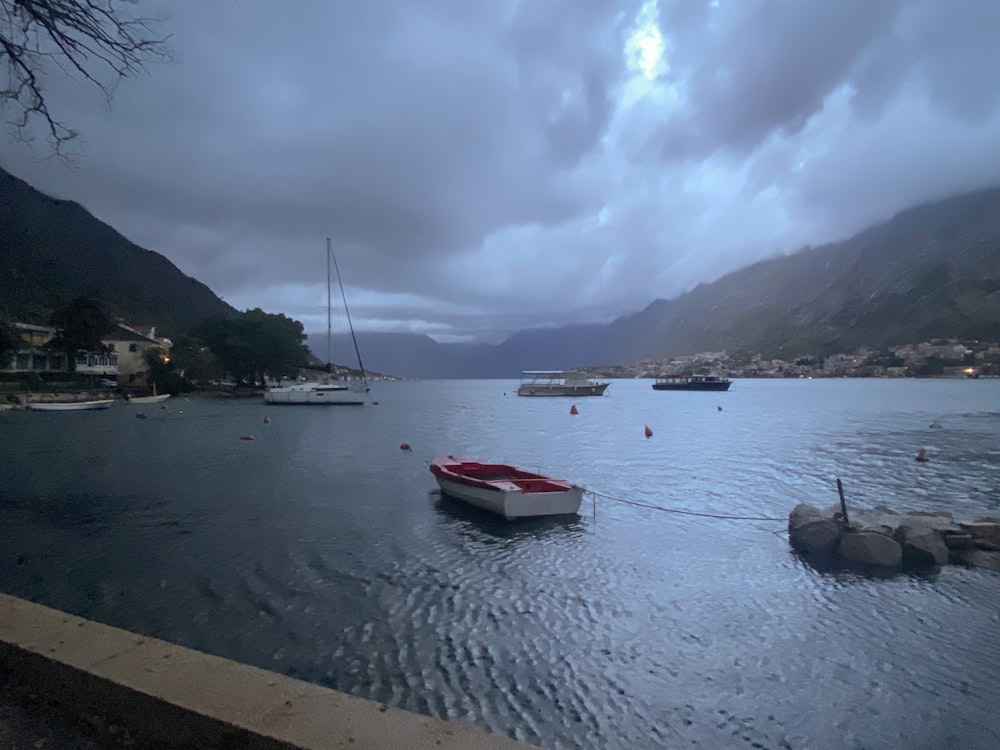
70,405
154,399
559,383
506,490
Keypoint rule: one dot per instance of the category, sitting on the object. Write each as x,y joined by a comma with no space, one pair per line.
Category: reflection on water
322,551
478,523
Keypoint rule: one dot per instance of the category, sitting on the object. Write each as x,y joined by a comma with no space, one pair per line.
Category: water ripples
320,550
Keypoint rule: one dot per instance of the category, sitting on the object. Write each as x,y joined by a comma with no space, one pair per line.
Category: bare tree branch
100,41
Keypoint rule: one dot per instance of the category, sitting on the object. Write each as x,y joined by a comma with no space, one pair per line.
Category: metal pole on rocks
843,503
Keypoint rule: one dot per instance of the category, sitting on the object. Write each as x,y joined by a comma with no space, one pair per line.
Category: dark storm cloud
744,86
484,166
755,69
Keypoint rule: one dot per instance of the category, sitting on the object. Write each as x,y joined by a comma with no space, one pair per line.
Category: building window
131,347
111,347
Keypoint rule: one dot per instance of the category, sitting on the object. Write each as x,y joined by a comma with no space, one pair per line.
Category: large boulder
985,534
940,521
804,513
979,558
882,539
922,547
820,538
870,549
810,533
880,518
957,540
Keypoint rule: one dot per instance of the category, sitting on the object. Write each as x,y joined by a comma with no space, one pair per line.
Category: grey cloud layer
477,166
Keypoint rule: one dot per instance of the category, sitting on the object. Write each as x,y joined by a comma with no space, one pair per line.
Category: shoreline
132,690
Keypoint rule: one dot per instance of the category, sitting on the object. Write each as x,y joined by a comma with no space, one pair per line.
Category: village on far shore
947,358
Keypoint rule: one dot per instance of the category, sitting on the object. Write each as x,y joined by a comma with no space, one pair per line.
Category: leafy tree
99,41
162,374
82,323
192,359
256,342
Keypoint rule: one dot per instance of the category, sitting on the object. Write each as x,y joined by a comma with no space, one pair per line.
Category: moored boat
693,383
328,391
506,490
559,383
70,405
340,393
154,399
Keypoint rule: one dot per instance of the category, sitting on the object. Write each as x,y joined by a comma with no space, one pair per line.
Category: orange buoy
267,419
922,456
573,410
649,432
404,446
247,437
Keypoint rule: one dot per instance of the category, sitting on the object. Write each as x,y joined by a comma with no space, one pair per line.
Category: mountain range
52,248
930,271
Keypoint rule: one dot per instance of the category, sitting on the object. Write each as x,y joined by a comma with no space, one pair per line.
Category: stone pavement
67,682
31,728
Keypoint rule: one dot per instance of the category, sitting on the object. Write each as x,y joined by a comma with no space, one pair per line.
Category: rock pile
882,540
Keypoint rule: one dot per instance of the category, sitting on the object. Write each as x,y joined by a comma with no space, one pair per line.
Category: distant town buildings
934,358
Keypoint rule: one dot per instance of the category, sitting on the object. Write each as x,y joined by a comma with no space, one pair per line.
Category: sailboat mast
354,338
329,323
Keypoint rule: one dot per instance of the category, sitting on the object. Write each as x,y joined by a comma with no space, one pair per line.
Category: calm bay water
320,550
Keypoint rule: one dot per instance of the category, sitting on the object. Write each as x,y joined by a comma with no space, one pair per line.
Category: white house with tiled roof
124,358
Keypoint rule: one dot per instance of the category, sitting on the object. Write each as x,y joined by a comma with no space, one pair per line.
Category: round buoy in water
267,419
649,432
404,446
573,409
247,437
922,456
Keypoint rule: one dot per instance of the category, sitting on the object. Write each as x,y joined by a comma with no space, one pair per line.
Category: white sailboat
70,405
330,391
154,399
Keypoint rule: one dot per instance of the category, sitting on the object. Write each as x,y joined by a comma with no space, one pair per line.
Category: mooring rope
682,512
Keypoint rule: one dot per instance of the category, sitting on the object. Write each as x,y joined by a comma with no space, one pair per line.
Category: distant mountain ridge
930,271
56,247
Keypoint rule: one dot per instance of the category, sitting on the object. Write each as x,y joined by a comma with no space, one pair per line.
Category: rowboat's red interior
492,472
527,481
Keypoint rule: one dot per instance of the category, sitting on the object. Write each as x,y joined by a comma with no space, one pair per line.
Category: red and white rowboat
506,490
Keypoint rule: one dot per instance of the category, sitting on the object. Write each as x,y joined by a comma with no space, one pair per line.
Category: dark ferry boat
693,383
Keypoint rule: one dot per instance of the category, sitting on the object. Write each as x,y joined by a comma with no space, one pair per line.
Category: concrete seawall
168,696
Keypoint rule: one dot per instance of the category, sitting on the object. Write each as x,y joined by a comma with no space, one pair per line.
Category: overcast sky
490,165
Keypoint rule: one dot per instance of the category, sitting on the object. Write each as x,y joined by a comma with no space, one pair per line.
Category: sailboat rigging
333,392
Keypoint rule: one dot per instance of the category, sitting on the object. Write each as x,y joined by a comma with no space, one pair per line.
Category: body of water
322,551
